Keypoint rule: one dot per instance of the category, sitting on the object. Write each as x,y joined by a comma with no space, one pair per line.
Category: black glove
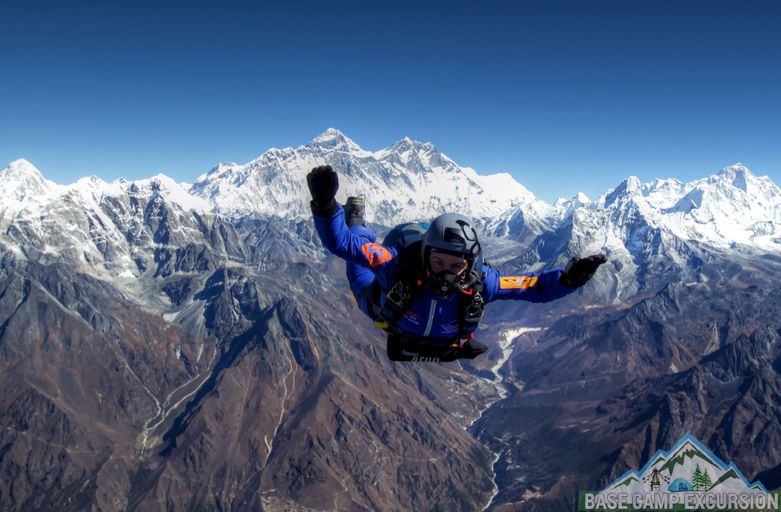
579,271
323,183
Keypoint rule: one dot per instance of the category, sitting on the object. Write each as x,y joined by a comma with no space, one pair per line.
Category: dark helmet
452,233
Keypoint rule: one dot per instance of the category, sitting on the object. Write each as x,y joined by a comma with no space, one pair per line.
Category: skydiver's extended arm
543,286
533,287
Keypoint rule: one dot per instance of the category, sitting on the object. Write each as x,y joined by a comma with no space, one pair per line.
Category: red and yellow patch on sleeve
376,254
517,282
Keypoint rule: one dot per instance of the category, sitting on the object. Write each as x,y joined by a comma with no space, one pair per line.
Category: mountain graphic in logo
688,475
688,466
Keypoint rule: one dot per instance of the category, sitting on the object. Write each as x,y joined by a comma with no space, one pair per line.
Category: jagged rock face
81,369
250,391
602,391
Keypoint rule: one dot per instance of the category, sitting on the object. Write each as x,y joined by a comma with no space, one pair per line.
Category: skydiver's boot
401,350
354,209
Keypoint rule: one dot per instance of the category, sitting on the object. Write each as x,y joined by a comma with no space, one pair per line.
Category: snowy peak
407,144
576,201
731,199
412,152
22,181
735,190
580,199
218,170
737,175
90,191
23,172
334,140
566,207
89,186
158,186
628,188
21,167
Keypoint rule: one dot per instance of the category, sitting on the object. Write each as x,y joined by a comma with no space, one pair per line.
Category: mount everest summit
176,346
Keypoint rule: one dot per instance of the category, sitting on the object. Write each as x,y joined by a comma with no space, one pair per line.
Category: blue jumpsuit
430,316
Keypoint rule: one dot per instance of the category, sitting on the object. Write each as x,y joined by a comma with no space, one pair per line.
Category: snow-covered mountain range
638,224
665,228
107,229
406,181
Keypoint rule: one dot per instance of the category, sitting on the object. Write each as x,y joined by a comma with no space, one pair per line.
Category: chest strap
399,298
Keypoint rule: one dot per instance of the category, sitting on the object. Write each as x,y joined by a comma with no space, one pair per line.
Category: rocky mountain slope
159,357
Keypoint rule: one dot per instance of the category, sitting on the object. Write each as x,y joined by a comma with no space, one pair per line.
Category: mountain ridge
731,209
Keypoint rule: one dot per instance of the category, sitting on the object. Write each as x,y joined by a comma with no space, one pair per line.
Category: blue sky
566,96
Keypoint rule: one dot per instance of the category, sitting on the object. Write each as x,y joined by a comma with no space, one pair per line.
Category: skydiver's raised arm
331,227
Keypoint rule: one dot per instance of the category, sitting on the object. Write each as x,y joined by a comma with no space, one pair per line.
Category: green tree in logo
701,480
706,480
